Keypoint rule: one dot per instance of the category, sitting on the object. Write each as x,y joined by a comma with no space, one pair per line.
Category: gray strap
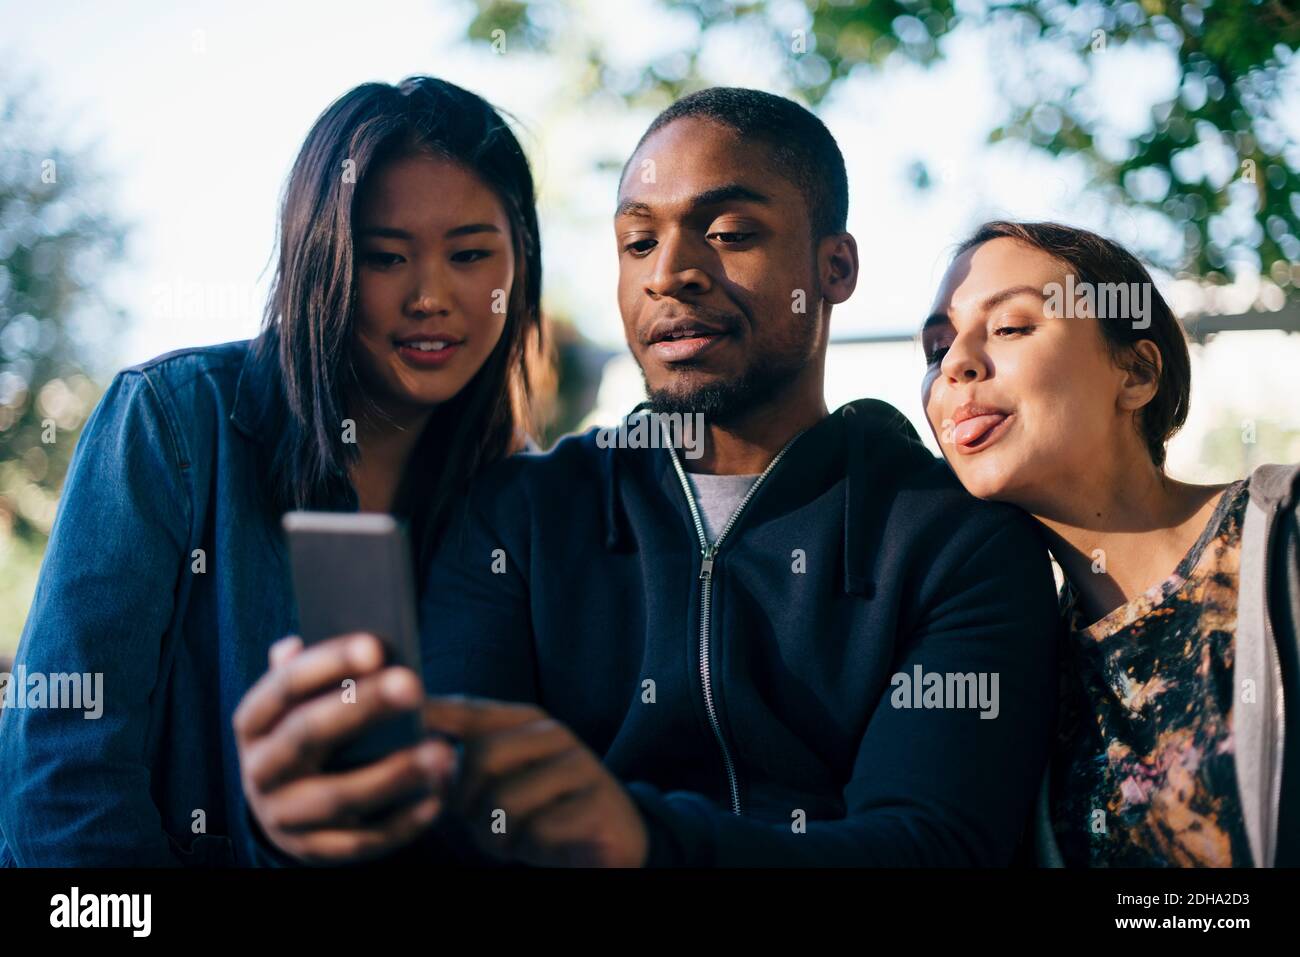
1253,693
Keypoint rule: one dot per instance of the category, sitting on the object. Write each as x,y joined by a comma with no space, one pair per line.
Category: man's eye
382,260
470,255
936,355
732,237
640,247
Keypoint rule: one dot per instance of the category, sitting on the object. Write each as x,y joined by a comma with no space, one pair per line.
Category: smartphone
352,572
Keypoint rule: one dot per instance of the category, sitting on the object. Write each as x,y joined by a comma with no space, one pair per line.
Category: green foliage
55,242
1237,443
1230,55
20,563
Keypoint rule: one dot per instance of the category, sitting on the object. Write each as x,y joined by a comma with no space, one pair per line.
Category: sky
195,111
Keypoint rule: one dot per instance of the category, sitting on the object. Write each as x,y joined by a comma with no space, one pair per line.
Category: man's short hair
800,146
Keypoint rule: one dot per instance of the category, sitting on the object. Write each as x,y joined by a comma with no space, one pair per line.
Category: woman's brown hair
1097,261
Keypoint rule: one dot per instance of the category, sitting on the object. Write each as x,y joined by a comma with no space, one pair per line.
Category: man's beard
725,401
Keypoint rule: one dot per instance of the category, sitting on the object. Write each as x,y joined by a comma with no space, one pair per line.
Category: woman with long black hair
390,369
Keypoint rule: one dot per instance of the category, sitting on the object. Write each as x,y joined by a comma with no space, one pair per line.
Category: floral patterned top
1144,772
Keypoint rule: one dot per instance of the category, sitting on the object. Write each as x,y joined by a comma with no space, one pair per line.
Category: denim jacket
165,582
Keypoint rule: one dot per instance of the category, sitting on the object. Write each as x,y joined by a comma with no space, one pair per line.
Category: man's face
718,282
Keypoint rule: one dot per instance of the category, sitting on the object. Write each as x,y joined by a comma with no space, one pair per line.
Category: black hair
309,316
801,147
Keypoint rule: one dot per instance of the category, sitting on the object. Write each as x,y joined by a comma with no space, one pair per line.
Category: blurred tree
1237,443
55,242
566,373
1217,161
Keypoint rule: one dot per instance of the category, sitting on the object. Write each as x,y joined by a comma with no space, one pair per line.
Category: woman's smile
429,350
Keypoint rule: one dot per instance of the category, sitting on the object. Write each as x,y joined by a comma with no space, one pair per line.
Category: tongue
973,429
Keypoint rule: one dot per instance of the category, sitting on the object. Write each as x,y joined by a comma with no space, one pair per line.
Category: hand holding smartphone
352,573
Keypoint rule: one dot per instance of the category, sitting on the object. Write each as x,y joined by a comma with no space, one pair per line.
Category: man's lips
687,347
681,339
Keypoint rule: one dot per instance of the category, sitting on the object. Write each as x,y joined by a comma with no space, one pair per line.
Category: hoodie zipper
707,554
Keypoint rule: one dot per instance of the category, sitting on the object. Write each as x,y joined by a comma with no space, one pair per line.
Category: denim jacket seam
166,393
179,452
184,479
207,369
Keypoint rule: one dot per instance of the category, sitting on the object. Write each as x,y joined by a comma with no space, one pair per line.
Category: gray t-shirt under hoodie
717,498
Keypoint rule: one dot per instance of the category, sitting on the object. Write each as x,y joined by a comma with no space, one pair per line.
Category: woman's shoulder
175,370
201,382
184,397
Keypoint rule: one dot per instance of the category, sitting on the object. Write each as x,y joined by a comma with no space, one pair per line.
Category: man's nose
676,270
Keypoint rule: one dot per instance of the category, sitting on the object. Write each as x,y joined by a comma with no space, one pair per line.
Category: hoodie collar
867,443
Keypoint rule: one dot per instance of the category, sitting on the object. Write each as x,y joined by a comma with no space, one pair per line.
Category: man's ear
837,266
1142,377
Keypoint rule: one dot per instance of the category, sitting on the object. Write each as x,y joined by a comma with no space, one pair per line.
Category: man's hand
292,720
529,790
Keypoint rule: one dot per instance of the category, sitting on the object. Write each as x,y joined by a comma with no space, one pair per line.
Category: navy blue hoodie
764,705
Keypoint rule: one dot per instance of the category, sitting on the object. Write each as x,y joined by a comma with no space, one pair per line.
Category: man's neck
747,445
